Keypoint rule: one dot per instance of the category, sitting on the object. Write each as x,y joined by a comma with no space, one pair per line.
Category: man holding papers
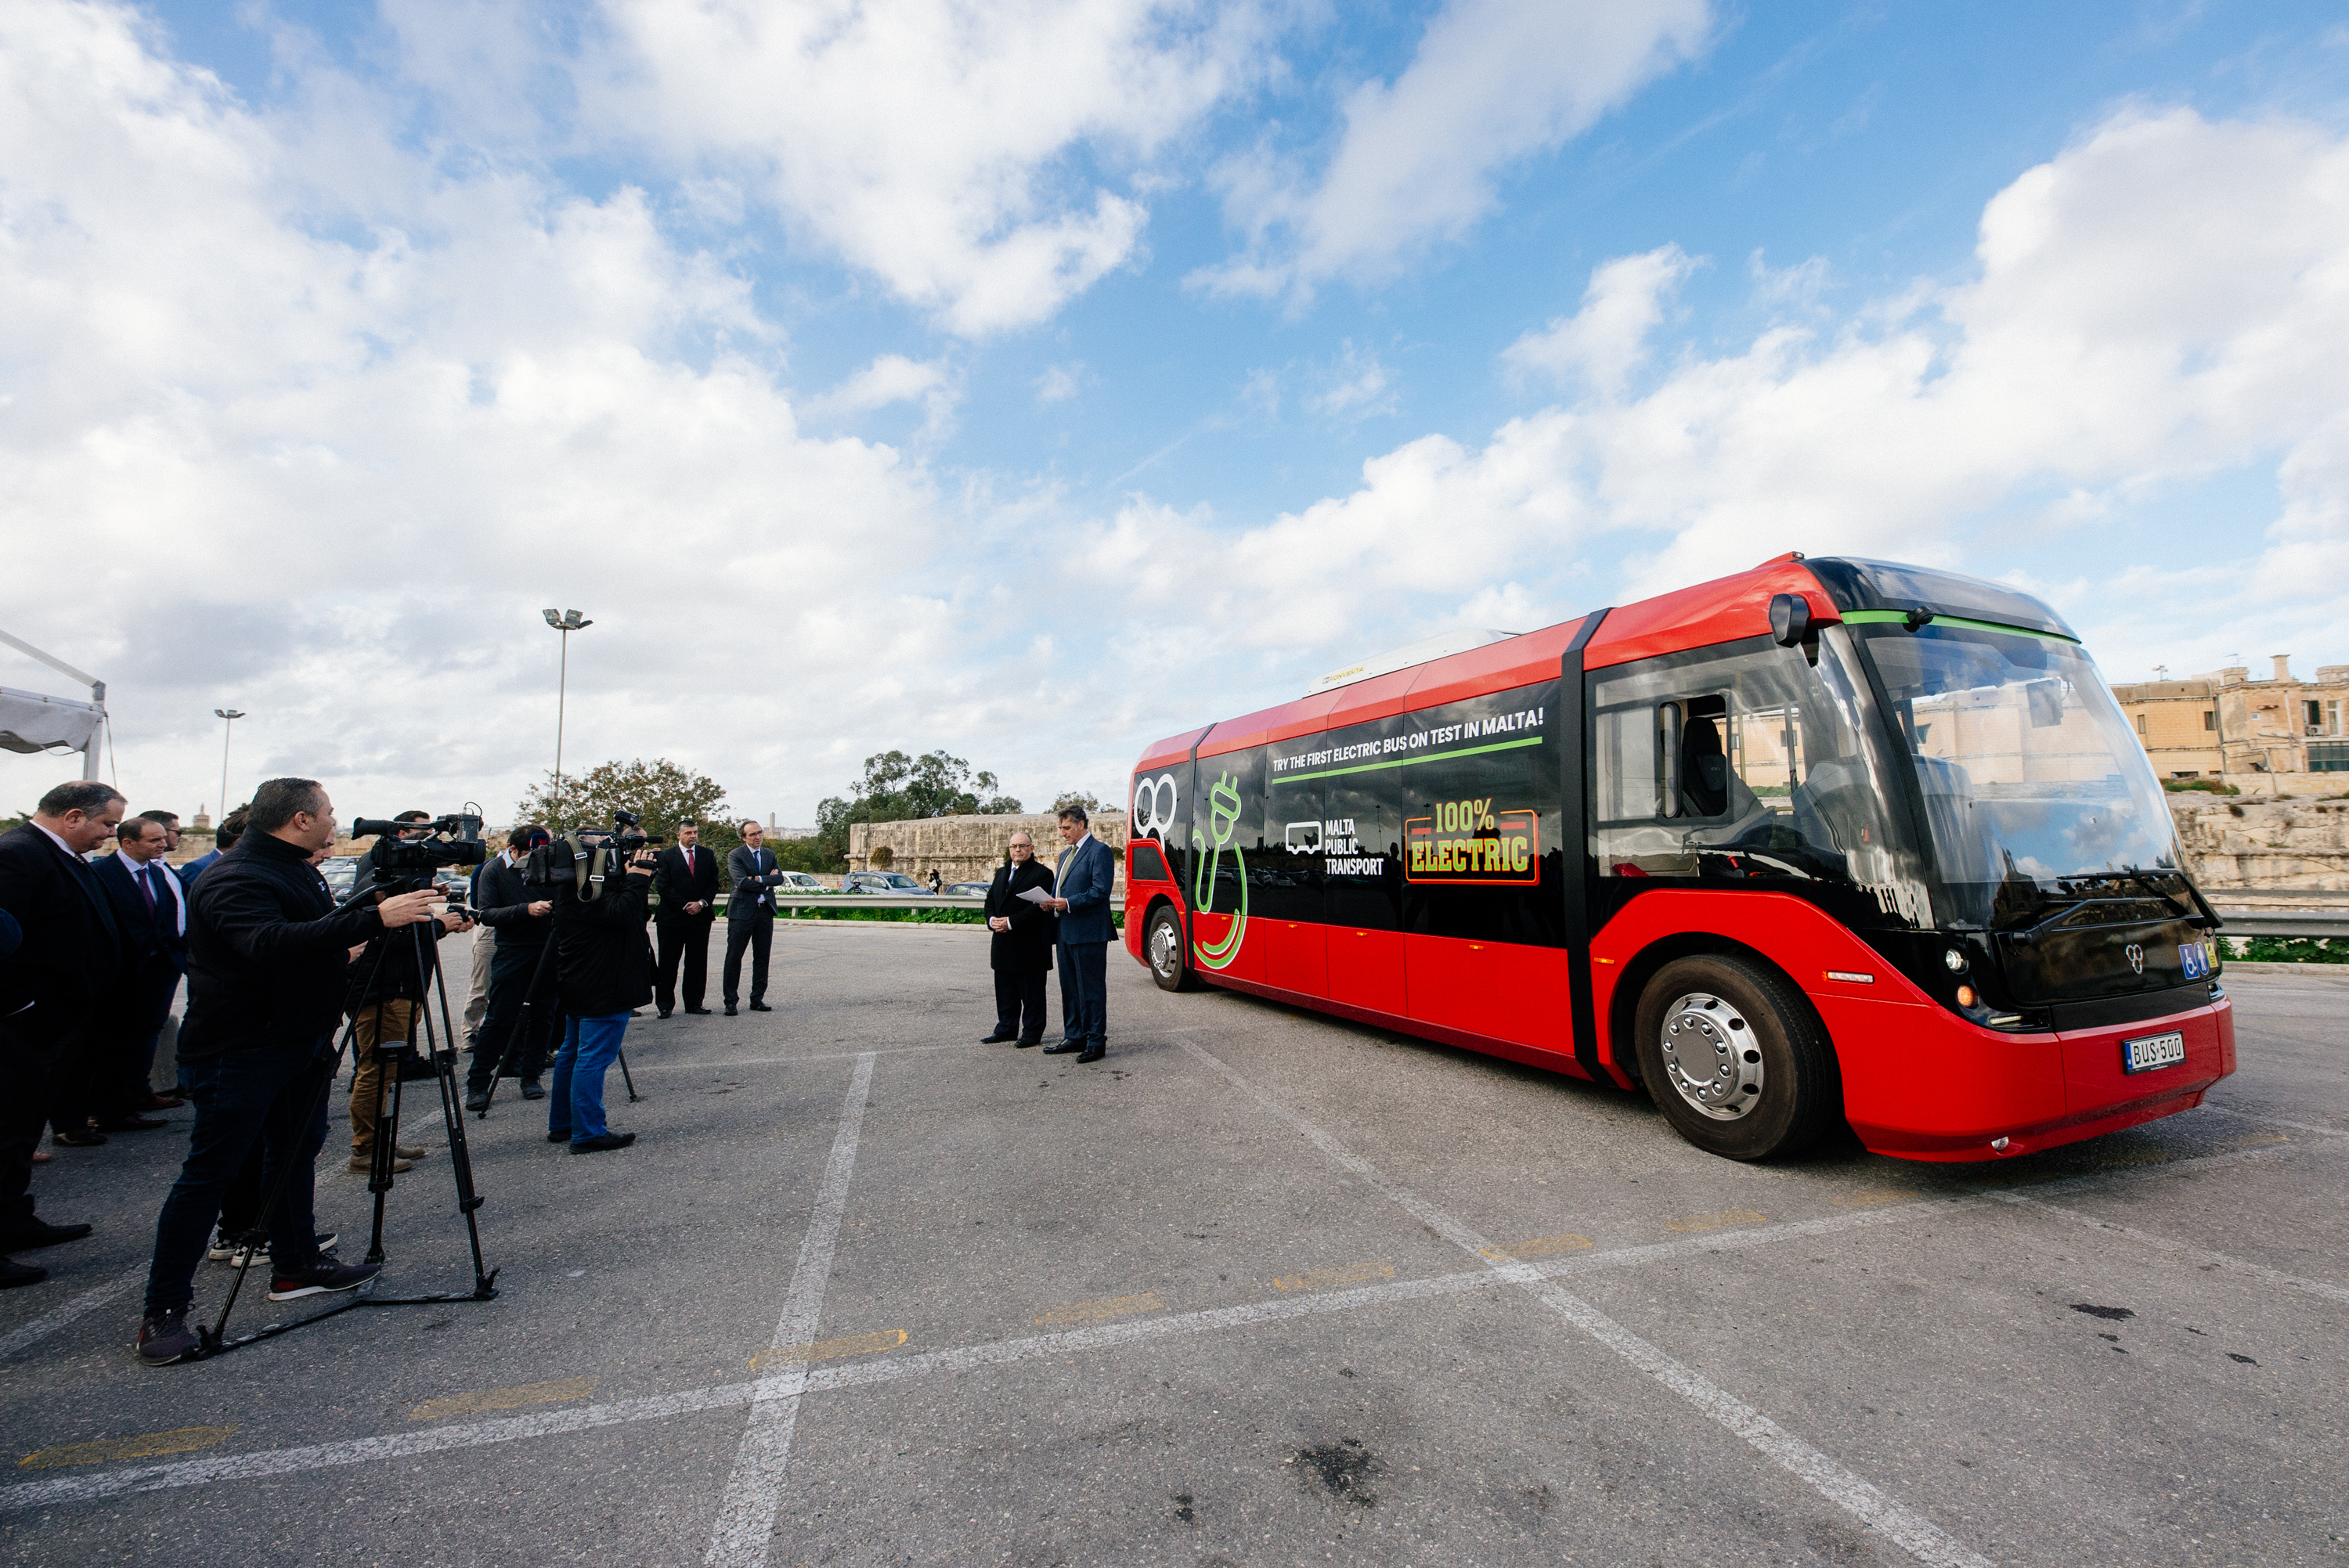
1087,873
1022,943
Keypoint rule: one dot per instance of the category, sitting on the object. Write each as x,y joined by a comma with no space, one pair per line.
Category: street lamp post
566,622
232,715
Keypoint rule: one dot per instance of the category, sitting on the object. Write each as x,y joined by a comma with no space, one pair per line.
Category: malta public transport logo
1153,808
1222,820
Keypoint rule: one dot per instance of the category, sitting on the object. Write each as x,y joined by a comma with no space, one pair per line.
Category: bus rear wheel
1734,1057
1163,946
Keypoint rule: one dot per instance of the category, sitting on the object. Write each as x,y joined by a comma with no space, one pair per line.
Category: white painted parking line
2201,1255
794,1061
41,1327
1919,1535
746,1514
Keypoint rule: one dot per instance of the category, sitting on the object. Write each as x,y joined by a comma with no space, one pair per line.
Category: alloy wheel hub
1712,1057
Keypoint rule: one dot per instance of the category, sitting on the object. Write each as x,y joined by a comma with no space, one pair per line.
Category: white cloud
2165,301
1356,388
894,378
1493,82
1607,339
1060,382
964,153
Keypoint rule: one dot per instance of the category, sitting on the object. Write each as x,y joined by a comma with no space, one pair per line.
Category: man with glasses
750,915
1020,951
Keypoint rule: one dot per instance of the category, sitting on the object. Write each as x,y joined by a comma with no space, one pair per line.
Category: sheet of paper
1036,895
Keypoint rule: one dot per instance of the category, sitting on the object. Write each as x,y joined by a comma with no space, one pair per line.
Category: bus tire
1735,1058
1166,951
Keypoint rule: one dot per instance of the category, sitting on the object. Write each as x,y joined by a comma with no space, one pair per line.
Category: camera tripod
440,1051
518,1037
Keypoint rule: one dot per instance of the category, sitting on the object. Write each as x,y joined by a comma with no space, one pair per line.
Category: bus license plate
2148,1052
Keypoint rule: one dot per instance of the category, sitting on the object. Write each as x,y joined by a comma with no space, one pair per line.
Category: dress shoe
1092,1054
1023,1044
1065,1048
39,1232
996,1038
598,1145
477,1099
532,1089
701,1012
14,1274
77,1140
730,1009
152,1101
132,1124
665,1012
558,1135
760,1007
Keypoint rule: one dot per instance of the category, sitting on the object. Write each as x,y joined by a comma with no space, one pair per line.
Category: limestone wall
967,849
2243,843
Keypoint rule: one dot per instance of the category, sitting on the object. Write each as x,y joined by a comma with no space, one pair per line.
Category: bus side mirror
1790,619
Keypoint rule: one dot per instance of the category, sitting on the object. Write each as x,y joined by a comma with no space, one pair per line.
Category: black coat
503,901
266,959
1029,943
603,963
71,954
679,885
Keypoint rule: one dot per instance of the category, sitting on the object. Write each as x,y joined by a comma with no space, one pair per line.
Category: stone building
2283,733
968,849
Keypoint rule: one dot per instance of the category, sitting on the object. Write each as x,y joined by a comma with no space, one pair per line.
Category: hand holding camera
407,908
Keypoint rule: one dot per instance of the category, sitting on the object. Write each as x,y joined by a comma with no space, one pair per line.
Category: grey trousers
478,1003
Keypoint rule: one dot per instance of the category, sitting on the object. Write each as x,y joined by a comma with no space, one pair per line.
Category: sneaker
598,1145
238,1257
165,1338
319,1278
222,1249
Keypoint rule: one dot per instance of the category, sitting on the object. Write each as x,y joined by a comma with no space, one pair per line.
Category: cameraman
267,953
604,973
518,914
388,981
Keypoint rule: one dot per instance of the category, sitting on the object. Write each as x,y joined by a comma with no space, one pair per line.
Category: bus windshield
2036,788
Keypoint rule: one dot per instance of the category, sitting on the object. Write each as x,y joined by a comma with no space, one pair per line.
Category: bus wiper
2145,879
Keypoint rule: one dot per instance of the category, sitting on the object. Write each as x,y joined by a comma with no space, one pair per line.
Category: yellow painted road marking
503,1399
1540,1247
1868,1197
828,1349
1109,1306
1318,1279
183,1441
1715,1222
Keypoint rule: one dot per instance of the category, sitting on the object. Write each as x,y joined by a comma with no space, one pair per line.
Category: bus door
1288,903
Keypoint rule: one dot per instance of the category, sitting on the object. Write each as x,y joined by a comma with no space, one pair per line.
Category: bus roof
1723,610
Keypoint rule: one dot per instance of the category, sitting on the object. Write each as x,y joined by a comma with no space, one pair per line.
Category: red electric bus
1827,838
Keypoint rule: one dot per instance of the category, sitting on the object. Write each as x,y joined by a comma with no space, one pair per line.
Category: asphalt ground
1260,1287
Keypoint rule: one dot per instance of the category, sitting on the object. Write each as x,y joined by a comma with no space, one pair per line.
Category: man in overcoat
1021,946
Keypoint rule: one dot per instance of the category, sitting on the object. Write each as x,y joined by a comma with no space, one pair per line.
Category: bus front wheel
1734,1057
1163,946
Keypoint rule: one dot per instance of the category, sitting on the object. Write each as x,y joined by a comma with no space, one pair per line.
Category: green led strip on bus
1406,761
1887,618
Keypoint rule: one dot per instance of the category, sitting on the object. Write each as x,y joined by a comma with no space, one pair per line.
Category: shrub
2204,786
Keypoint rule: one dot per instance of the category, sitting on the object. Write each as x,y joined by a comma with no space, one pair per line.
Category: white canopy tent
31,723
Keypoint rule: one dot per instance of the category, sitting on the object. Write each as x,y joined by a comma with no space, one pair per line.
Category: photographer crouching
268,959
603,970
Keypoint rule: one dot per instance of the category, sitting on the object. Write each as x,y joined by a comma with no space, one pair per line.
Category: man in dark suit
521,978
687,880
1021,947
750,915
150,910
1087,873
69,959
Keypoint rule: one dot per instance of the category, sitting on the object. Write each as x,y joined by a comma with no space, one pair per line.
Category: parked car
342,874
893,883
801,882
968,890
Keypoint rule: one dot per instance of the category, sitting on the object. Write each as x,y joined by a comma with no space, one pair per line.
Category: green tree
1085,797
897,788
660,792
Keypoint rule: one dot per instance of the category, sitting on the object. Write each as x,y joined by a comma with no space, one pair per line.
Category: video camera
557,861
399,861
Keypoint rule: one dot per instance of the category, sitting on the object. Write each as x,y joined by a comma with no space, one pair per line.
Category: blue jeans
574,1101
274,1096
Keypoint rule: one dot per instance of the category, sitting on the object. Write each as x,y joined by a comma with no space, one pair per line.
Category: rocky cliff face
2302,844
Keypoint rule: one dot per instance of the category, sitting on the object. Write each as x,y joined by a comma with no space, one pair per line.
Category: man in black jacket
267,963
521,916
686,881
69,959
1021,947
605,974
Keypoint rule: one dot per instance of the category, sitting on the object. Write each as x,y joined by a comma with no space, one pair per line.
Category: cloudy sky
1035,378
